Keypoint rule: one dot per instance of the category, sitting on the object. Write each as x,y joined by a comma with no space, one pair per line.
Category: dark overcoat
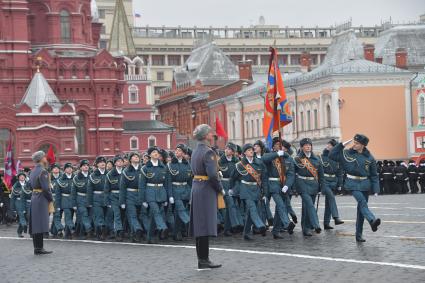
203,211
39,179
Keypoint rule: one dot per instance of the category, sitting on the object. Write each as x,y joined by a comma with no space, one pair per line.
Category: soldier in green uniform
253,186
308,182
63,199
362,178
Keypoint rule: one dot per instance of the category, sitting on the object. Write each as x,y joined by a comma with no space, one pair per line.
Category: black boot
291,227
338,221
374,224
178,237
328,227
118,237
164,234
207,264
294,218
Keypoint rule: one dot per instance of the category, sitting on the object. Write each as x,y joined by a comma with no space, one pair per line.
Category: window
246,129
316,120
302,121
4,142
174,60
103,30
421,109
233,129
81,133
258,127
158,60
74,72
159,76
295,59
134,143
65,26
252,128
103,44
101,13
253,58
151,141
308,120
157,89
133,94
328,116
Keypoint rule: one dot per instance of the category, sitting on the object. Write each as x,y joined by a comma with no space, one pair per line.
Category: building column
289,60
322,111
181,59
150,59
166,59
258,59
409,122
335,112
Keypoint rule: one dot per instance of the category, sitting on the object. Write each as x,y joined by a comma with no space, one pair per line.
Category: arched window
81,133
134,143
252,128
133,94
258,127
328,116
316,120
308,120
151,141
65,26
421,109
302,121
74,72
233,129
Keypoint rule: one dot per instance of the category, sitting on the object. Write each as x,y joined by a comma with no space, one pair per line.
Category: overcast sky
281,12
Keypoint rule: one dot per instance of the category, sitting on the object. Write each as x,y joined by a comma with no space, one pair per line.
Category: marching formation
148,197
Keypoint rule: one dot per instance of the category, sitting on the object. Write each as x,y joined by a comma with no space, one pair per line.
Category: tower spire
121,39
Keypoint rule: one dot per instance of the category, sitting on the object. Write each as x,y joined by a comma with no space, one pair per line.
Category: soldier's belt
81,194
274,179
179,183
115,191
388,173
225,179
421,173
305,177
413,173
28,200
66,195
329,175
18,198
98,192
356,177
154,185
249,183
37,190
132,190
200,178
399,174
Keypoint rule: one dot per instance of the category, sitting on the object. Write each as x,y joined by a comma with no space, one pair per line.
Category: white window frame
151,138
130,91
134,138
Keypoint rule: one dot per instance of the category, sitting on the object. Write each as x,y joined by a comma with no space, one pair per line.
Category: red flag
219,129
9,165
51,155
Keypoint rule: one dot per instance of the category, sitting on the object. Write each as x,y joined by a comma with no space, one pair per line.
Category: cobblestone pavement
396,253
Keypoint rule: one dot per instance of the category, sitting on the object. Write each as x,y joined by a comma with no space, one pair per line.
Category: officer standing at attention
41,196
17,204
181,178
205,188
96,197
362,177
308,182
332,172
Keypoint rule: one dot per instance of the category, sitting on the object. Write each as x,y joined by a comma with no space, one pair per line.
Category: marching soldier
227,164
112,192
421,173
400,178
96,197
286,146
412,172
388,177
26,195
360,167
154,189
56,227
79,198
41,196
280,171
129,198
181,181
64,200
250,172
17,205
332,182
205,189
308,182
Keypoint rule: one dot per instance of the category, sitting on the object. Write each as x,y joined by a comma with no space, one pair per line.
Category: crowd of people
148,196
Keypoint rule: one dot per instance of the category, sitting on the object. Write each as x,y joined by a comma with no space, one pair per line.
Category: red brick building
80,97
207,76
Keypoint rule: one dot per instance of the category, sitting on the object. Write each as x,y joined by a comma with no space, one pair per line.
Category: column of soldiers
148,197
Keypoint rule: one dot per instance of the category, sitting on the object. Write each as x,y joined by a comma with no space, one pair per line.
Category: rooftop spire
121,39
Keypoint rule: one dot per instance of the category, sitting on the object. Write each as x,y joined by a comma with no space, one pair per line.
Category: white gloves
220,175
165,203
171,199
223,192
376,194
145,205
339,188
347,142
109,206
58,209
1,204
285,189
264,198
280,153
74,208
123,206
230,192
